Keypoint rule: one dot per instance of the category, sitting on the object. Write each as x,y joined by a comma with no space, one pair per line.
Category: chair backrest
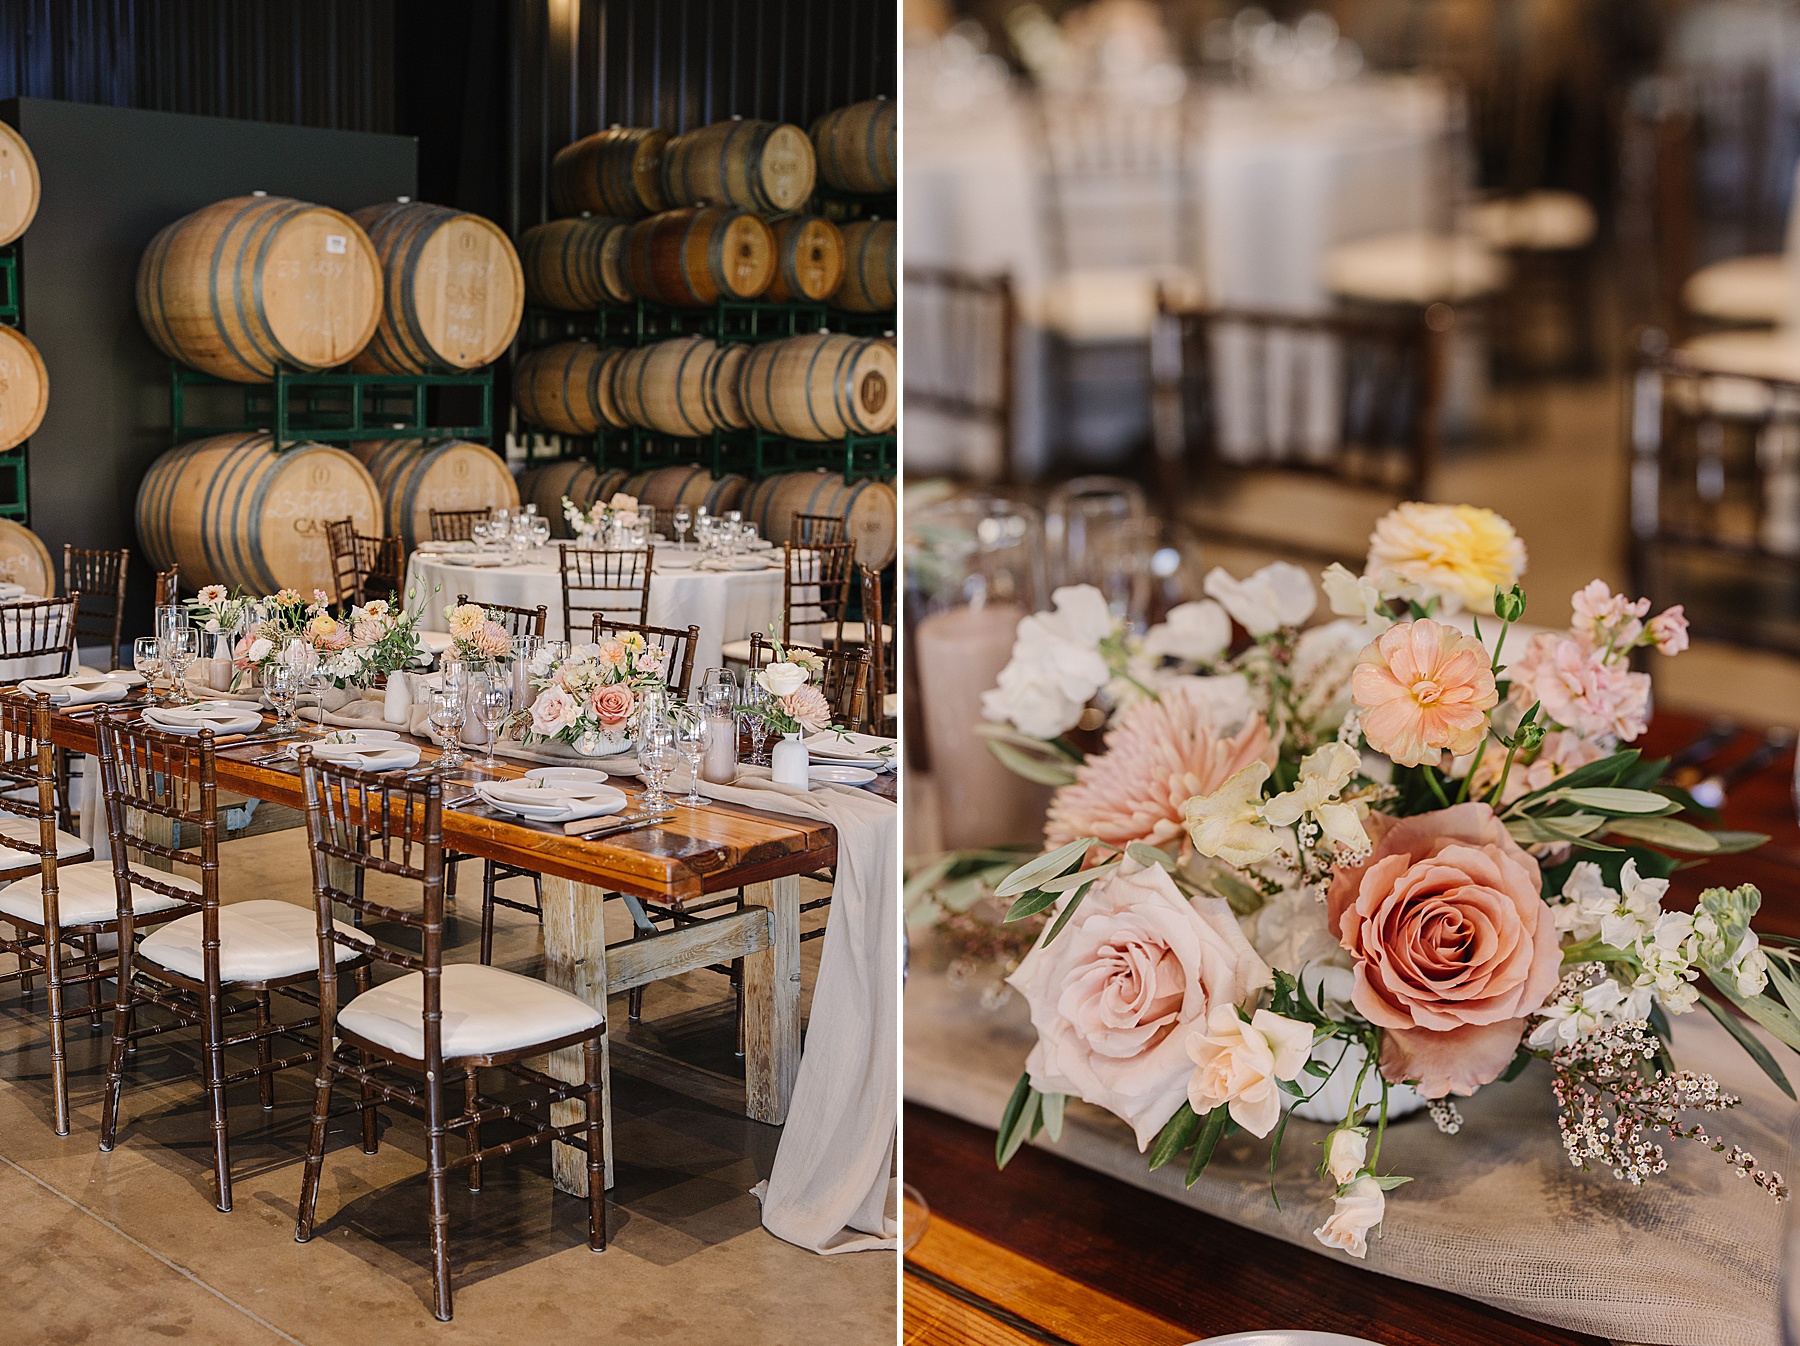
1348,398
383,824
1715,501
380,567
677,645
959,370
517,621
457,525
168,586
605,583
815,589
811,530
162,784
41,629
346,568
28,760
881,652
844,680
99,577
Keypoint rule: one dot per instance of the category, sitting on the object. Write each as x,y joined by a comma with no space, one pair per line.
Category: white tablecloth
1279,179
726,606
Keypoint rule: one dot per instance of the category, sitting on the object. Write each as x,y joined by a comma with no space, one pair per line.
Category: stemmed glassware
493,700
447,710
682,520
538,529
693,732
181,648
283,686
656,758
753,710
146,659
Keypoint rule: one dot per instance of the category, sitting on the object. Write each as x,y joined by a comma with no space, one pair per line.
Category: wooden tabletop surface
701,850
1053,1254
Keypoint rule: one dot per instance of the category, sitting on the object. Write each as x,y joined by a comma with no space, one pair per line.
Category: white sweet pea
1079,614
1346,1153
1353,1214
1355,596
782,679
1228,824
1196,633
1324,772
1278,595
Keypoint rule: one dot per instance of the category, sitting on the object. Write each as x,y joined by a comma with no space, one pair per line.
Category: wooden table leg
772,1003
575,960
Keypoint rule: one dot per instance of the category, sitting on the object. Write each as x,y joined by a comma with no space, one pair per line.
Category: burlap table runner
1496,1213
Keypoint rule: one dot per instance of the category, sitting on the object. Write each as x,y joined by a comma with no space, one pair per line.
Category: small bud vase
790,763
396,705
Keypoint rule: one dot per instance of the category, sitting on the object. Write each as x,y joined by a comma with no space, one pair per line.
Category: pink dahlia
1159,755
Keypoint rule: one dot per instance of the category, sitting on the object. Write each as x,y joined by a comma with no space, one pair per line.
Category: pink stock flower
808,708
1425,688
1159,754
1603,617
614,704
1669,628
1560,753
1454,945
650,659
1580,688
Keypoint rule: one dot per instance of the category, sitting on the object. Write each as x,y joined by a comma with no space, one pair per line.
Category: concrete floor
126,1247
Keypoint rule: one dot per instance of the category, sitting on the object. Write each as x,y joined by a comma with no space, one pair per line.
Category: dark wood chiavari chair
98,577
815,590
1367,430
812,530
207,962
457,525
346,570
879,637
363,567
517,621
614,585
434,1021
168,586
58,902
41,629
959,371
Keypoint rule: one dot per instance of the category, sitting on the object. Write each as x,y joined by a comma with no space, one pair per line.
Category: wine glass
683,518
656,759
753,710
145,658
693,732
540,531
180,648
493,701
282,684
720,690
447,709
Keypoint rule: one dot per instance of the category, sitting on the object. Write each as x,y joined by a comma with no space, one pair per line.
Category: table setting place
85,687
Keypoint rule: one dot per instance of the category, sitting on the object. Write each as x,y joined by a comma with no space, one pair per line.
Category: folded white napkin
561,804
221,719
77,691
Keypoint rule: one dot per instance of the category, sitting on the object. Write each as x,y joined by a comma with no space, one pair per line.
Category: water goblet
682,521
720,690
146,659
283,687
493,701
540,531
447,710
693,732
753,710
180,648
656,759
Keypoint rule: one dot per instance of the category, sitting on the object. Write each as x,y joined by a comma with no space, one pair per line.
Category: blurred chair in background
959,372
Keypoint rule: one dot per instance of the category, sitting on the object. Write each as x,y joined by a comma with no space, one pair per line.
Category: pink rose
614,704
1581,688
1113,996
553,711
1453,943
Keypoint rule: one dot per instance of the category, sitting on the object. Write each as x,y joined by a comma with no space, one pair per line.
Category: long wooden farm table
715,848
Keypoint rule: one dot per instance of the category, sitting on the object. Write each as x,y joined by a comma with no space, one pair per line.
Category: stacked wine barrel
24,382
416,476
577,478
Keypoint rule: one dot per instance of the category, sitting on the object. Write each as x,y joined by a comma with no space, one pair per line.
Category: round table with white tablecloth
725,605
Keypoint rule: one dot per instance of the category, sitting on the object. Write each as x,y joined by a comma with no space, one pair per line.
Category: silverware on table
611,827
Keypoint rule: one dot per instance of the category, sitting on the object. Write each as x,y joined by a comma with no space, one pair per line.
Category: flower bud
1509,606
1346,1152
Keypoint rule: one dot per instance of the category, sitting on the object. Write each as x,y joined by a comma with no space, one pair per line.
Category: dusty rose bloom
1453,942
614,704
1425,688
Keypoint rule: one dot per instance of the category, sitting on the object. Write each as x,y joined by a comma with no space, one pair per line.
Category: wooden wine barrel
690,485
25,560
809,260
230,510
866,507
255,283
869,252
24,387
18,185
698,256
576,265
618,171
762,166
416,476
578,478
687,386
452,290
856,147
821,386
568,387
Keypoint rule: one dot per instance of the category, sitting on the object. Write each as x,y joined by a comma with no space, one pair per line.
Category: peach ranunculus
614,704
808,708
1424,688
611,654
1454,945
1238,1064
1115,994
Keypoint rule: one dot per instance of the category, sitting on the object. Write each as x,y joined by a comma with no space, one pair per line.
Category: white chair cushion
1739,289
85,894
856,633
1414,268
486,1010
1535,221
68,846
259,940
738,650
1755,355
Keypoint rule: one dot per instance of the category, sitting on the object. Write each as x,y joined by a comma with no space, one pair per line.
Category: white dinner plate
838,775
560,804
1284,1336
475,560
362,736
567,775
674,560
87,691
129,676
842,746
747,563
762,544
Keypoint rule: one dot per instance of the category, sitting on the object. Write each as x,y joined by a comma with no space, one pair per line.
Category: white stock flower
1196,633
1346,1153
1606,1002
1278,595
1228,824
1353,1214
1324,772
1356,597
1237,1064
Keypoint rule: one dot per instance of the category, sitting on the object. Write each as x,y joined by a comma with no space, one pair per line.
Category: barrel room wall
460,102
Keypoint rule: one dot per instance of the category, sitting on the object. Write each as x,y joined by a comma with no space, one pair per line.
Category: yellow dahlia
1456,553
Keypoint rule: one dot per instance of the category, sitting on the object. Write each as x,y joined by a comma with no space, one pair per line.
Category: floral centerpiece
795,705
217,610
587,700
371,641
588,523
476,637
1367,867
